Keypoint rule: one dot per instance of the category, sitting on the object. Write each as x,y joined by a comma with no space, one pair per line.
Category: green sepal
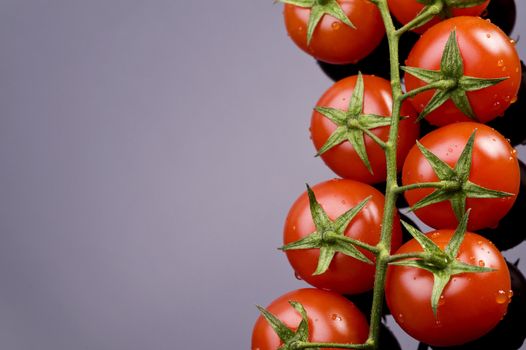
352,124
328,237
287,336
318,10
425,242
442,264
455,83
457,187
464,3
283,332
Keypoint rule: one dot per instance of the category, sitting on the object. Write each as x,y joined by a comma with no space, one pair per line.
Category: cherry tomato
332,318
346,275
471,304
343,158
407,10
333,41
494,166
487,52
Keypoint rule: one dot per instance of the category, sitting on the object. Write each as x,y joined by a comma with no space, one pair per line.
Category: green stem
384,246
425,16
306,345
417,186
441,84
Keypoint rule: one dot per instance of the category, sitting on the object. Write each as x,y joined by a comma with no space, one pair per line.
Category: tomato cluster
459,176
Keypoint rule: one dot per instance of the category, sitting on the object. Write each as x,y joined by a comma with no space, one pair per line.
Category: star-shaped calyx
289,337
352,124
456,186
318,9
443,264
450,81
329,236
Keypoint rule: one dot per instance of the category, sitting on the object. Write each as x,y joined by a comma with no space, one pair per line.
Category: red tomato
494,166
407,10
343,159
487,53
345,275
333,41
332,318
471,304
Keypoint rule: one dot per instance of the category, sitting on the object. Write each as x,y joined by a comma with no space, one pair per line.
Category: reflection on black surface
509,333
511,230
513,124
503,13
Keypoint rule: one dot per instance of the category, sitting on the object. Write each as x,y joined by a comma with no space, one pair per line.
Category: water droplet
480,242
500,63
488,35
336,25
450,149
482,263
441,301
513,100
400,318
343,202
300,28
438,323
336,317
512,42
298,277
496,105
502,297
294,228
510,294
472,259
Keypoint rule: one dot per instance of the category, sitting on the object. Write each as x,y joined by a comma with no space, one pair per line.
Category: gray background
149,153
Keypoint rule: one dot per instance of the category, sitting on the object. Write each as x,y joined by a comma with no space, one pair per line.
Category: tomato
406,10
343,158
487,52
333,41
345,275
471,304
494,166
332,318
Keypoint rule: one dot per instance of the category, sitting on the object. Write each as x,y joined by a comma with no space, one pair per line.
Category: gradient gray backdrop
149,152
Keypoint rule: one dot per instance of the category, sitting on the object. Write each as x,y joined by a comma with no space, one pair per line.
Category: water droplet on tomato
400,318
336,25
482,263
298,277
502,297
514,99
336,317
500,63
442,301
488,35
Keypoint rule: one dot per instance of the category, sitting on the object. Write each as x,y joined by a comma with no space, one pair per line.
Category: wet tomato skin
332,318
343,159
345,275
333,41
487,52
407,10
494,166
472,304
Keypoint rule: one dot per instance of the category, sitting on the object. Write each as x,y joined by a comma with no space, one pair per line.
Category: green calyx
456,186
329,236
445,7
352,124
319,8
450,81
288,337
443,264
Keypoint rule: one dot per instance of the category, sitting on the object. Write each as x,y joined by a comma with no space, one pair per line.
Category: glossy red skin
345,275
469,307
407,10
332,40
494,166
332,318
487,53
343,159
